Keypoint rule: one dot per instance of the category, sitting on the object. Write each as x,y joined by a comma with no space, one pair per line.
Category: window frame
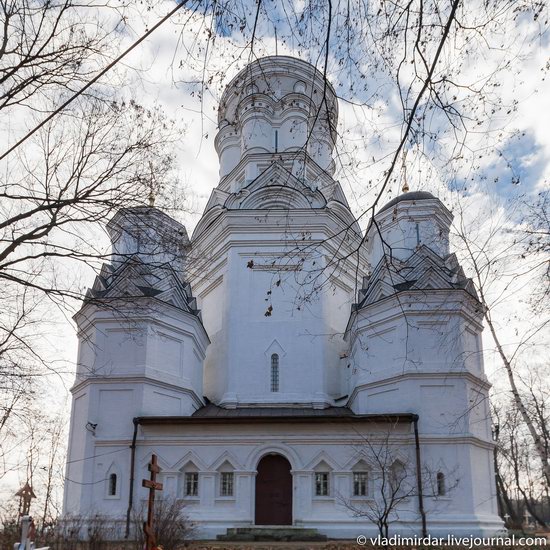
226,476
275,374
109,485
326,482
194,483
441,485
358,483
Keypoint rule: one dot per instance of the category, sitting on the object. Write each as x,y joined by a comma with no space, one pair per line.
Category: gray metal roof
411,196
210,410
211,413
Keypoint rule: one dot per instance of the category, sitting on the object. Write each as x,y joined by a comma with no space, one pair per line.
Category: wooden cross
25,495
153,485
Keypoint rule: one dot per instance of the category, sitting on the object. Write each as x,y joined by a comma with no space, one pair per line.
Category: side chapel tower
141,348
415,346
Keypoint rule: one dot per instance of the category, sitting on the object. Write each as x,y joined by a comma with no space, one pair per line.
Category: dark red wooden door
273,491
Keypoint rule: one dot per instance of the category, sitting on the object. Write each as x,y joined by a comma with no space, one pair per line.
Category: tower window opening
441,489
274,373
112,485
276,141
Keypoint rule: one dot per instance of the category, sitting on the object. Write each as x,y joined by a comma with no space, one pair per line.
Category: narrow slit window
274,373
441,490
112,485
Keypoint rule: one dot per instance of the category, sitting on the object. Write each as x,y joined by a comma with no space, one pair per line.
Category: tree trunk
541,451
502,495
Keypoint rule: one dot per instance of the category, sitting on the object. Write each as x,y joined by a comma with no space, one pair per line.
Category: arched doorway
273,491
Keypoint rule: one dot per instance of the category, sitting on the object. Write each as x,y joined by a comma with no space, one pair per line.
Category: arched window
441,490
274,372
112,485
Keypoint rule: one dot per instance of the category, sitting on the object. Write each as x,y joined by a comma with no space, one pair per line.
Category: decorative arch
323,465
162,462
255,99
280,448
322,457
190,456
344,213
277,188
208,218
275,347
226,456
360,464
300,87
276,197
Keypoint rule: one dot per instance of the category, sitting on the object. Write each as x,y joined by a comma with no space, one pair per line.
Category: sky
505,156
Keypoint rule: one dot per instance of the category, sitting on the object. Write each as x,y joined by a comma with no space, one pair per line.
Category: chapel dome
410,196
276,76
276,105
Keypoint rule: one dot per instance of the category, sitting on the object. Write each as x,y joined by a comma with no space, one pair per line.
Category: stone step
272,533
273,529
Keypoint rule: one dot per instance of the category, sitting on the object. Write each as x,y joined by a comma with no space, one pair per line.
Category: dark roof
212,410
211,413
412,196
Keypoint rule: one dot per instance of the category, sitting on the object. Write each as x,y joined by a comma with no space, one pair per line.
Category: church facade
285,367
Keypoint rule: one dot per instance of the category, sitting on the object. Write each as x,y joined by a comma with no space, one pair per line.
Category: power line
95,79
96,456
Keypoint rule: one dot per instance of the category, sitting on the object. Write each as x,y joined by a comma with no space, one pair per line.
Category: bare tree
103,153
500,266
171,525
503,480
386,483
520,483
107,152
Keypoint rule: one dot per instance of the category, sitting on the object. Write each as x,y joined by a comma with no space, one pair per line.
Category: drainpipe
132,468
419,478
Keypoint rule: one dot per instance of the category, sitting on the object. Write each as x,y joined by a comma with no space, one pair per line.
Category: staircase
272,534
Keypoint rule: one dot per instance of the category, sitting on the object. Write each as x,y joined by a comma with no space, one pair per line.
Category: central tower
276,106
275,241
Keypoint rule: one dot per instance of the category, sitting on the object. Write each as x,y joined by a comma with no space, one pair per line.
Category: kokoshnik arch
243,359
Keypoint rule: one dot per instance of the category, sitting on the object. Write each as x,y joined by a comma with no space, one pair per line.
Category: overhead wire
93,80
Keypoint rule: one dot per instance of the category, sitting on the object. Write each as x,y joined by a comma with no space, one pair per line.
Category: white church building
286,368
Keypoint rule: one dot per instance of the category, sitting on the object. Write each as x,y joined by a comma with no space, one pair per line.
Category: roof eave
394,418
